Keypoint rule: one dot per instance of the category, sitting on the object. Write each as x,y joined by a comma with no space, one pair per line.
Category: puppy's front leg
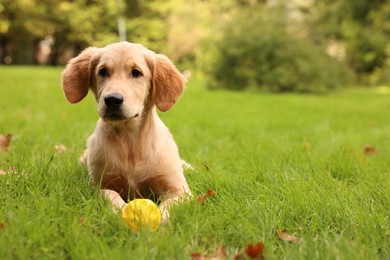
165,206
113,196
169,201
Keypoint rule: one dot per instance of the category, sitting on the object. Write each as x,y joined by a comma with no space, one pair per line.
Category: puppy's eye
136,73
103,72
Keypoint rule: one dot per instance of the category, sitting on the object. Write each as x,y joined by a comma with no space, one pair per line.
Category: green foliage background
278,45
253,54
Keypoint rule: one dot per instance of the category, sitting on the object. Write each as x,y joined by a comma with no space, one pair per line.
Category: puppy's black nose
113,100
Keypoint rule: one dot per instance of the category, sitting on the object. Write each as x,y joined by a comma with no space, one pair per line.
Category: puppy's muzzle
113,101
115,109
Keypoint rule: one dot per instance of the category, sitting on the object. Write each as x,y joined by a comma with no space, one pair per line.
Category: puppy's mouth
118,116
113,108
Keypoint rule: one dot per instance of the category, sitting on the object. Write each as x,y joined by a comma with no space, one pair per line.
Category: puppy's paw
84,157
164,213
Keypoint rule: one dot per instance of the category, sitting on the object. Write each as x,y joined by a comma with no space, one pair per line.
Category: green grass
294,162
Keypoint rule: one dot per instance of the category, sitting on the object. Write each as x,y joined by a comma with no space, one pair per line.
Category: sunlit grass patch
317,166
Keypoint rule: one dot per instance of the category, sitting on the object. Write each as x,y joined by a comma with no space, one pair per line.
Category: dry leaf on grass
206,166
197,256
202,166
59,148
211,193
255,251
370,150
220,254
286,237
11,170
203,197
252,251
239,256
5,141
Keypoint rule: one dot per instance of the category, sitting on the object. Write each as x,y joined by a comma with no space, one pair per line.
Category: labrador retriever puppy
131,153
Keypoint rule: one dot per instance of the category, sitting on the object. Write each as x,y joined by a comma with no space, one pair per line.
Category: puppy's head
125,79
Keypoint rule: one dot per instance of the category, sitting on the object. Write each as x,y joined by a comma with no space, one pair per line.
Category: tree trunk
77,48
53,56
36,50
3,49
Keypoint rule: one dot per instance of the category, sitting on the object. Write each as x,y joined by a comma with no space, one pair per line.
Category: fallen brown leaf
239,256
203,197
202,166
211,193
11,170
255,251
206,166
220,254
286,237
59,148
370,150
197,256
5,141
200,198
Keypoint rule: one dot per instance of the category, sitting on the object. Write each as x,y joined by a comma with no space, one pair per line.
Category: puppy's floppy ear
168,83
76,78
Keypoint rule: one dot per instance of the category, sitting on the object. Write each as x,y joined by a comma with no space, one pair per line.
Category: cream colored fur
131,153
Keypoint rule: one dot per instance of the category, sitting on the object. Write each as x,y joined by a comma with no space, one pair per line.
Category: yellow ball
141,214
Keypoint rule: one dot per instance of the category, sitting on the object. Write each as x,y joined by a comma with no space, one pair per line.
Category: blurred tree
195,26
81,23
266,53
191,31
72,25
147,22
22,27
362,26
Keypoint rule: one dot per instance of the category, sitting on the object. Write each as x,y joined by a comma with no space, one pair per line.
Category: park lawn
317,166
